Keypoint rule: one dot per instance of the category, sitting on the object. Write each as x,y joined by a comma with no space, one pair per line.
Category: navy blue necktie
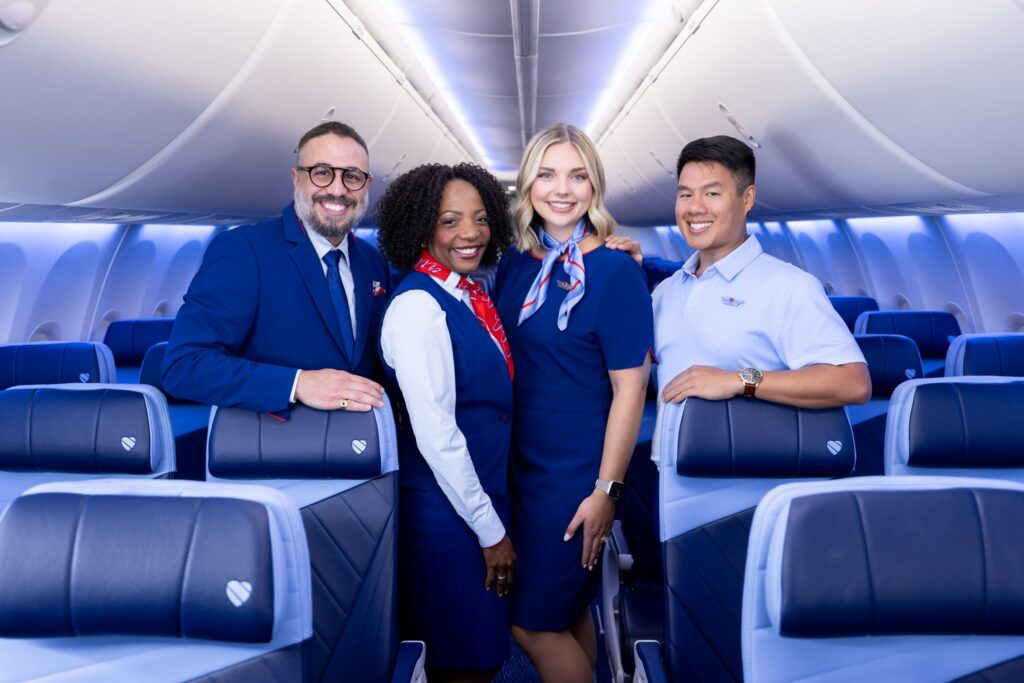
340,301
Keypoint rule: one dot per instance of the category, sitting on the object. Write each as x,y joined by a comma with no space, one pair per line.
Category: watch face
615,490
750,375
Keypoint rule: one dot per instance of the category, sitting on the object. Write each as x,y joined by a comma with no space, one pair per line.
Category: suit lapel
364,298
304,256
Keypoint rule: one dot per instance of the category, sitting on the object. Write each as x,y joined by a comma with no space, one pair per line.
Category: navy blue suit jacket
258,309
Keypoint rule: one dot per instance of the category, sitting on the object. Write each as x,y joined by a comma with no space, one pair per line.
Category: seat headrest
875,562
86,563
961,422
130,338
932,331
892,359
741,437
86,428
55,363
849,307
152,366
309,444
986,354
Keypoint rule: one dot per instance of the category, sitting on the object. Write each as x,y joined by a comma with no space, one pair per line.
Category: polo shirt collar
733,263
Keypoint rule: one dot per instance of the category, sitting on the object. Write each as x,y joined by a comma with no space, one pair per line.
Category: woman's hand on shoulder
596,514
500,559
626,244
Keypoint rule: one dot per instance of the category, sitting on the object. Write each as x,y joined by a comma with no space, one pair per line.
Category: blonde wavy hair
525,217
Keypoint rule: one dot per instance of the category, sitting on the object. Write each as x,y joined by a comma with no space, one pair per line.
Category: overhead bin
843,102
195,107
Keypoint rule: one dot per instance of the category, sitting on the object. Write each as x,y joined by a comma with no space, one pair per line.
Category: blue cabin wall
67,282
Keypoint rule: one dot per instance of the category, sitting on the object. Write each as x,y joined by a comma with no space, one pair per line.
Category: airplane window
48,331
162,310
961,316
101,327
902,302
1015,322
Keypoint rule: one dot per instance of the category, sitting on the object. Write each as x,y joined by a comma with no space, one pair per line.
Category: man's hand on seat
703,381
335,389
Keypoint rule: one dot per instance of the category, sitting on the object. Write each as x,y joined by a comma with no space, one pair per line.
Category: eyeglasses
322,176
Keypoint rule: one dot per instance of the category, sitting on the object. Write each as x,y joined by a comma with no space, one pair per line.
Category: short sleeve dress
562,394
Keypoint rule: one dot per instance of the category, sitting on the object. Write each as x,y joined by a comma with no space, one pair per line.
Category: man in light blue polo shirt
735,320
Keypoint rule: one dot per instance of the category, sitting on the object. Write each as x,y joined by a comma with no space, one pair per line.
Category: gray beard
329,229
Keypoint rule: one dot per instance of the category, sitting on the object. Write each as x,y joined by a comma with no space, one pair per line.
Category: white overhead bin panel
91,90
817,150
195,107
941,80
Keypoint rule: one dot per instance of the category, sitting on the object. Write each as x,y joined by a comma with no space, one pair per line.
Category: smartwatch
613,489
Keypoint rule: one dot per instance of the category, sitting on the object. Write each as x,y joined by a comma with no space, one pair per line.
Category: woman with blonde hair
578,317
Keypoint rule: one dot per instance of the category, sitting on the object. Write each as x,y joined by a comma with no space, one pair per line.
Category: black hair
406,213
728,151
342,130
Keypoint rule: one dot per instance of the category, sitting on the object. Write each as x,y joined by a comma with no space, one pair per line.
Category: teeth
700,226
330,206
561,205
466,251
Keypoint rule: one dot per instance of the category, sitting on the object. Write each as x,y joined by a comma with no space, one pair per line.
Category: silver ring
501,577
604,539
343,403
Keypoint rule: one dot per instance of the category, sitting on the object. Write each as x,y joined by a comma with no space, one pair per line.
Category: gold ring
343,403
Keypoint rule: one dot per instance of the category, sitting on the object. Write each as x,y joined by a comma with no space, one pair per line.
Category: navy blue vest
483,390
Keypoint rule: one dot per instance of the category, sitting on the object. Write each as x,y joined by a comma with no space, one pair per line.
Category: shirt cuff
489,530
295,385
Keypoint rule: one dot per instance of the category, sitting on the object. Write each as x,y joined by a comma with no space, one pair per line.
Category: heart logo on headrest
84,377
911,373
358,445
127,442
238,591
834,447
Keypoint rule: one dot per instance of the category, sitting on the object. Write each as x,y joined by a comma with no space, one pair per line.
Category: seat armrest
650,667
412,655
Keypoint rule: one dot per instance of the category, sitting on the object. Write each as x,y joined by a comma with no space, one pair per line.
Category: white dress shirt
322,246
749,309
416,343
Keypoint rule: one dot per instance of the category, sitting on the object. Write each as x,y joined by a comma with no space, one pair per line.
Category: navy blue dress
442,600
562,395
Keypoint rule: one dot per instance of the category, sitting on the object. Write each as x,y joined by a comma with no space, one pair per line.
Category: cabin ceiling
189,111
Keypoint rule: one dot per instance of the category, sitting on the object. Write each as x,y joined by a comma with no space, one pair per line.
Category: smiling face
331,211
710,213
461,232
561,193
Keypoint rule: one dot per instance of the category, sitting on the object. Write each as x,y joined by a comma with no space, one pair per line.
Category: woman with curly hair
579,319
443,344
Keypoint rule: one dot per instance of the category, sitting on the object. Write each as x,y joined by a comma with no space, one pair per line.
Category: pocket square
377,289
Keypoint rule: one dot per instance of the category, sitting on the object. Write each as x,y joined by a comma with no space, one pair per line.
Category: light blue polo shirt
747,310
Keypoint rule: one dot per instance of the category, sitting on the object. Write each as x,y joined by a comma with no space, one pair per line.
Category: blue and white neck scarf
573,266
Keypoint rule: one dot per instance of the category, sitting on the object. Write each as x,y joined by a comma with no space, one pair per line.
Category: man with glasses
289,310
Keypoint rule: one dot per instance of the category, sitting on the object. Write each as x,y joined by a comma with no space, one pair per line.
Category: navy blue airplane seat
340,468
55,363
658,269
891,359
886,579
82,431
986,354
153,580
957,426
932,331
130,338
189,420
849,307
717,459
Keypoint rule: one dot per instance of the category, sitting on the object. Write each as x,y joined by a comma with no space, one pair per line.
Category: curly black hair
407,212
